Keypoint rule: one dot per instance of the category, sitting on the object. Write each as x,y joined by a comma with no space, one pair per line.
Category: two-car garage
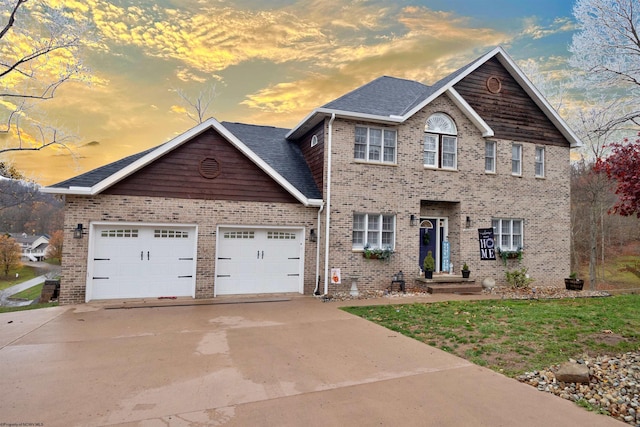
151,261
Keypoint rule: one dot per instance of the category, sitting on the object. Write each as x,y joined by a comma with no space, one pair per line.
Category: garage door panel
258,261
142,261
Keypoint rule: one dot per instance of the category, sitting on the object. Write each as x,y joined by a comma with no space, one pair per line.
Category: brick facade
410,188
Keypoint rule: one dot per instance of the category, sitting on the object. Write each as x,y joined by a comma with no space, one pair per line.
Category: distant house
230,208
34,247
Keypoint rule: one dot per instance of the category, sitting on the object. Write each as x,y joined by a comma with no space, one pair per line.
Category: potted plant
572,283
465,271
428,265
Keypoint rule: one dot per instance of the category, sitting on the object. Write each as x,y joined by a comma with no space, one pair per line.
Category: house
231,208
34,247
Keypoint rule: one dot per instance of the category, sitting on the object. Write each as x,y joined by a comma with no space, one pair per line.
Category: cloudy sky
272,62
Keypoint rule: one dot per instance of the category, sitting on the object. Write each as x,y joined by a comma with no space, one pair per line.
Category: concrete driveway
289,363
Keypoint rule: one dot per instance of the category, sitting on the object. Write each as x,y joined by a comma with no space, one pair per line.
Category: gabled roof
264,145
392,100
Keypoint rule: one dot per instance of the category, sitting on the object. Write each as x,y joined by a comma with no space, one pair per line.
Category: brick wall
207,214
410,188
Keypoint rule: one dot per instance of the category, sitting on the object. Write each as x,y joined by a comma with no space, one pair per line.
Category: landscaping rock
489,283
570,372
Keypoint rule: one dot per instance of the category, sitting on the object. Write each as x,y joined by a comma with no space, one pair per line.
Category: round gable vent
494,85
209,168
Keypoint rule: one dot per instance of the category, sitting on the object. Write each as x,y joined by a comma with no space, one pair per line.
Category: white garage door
259,261
138,261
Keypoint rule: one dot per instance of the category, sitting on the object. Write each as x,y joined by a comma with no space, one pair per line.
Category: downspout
327,222
317,278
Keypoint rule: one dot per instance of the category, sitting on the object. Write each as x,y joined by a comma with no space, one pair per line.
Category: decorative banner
487,244
446,256
335,276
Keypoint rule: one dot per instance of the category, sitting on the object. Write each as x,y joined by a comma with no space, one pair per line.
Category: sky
272,62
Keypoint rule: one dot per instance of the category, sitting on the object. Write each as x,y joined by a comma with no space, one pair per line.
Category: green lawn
516,336
24,273
28,307
31,293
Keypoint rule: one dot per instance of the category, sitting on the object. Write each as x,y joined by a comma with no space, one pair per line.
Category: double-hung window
374,230
539,162
516,159
490,156
376,145
508,234
440,142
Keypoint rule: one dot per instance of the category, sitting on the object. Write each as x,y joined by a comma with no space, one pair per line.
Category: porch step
449,284
454,288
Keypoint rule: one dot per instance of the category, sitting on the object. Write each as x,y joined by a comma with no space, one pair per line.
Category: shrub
518,278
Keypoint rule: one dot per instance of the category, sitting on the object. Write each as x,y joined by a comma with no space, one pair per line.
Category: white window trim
543,162
494,144
519,172
440,125
497,233
382,147
380,230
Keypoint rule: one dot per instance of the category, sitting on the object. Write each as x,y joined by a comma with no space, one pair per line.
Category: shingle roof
384,96
91,178
285,157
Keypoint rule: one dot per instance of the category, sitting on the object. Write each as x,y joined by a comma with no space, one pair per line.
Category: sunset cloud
273,62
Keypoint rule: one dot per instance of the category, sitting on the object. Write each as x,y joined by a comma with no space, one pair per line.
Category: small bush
518,278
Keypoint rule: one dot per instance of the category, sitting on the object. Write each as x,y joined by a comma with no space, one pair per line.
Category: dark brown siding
177,174
510,113
314,155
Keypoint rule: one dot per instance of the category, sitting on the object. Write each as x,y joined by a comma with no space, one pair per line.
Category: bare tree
607,49
197,107
40,50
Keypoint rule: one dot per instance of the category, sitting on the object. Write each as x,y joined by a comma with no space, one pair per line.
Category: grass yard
31,293
28,307
24,273
515,336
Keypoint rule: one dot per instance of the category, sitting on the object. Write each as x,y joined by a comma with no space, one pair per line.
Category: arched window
440,142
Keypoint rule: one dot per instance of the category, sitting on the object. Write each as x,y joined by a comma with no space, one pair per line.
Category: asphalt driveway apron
288,363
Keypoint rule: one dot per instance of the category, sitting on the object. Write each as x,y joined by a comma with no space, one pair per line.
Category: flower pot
428,274
465,274
573,284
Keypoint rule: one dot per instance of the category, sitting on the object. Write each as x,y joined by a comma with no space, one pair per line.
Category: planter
465,274
574,284
428,274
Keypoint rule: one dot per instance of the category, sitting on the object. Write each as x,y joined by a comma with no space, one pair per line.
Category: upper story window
490,156
539,162
440,142
375,230
516,159
375,145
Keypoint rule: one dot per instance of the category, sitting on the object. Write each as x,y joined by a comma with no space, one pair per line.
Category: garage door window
281,235
239,235
171,234
119,233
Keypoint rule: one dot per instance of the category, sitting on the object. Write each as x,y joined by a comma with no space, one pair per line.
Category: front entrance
433,237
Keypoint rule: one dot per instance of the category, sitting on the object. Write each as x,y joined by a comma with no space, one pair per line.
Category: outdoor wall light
77,232
468,222
413,220
312,235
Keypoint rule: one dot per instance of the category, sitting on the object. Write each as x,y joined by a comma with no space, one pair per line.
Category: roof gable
276,164
405,98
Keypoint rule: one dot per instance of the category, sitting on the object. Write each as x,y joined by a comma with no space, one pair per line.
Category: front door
433,232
